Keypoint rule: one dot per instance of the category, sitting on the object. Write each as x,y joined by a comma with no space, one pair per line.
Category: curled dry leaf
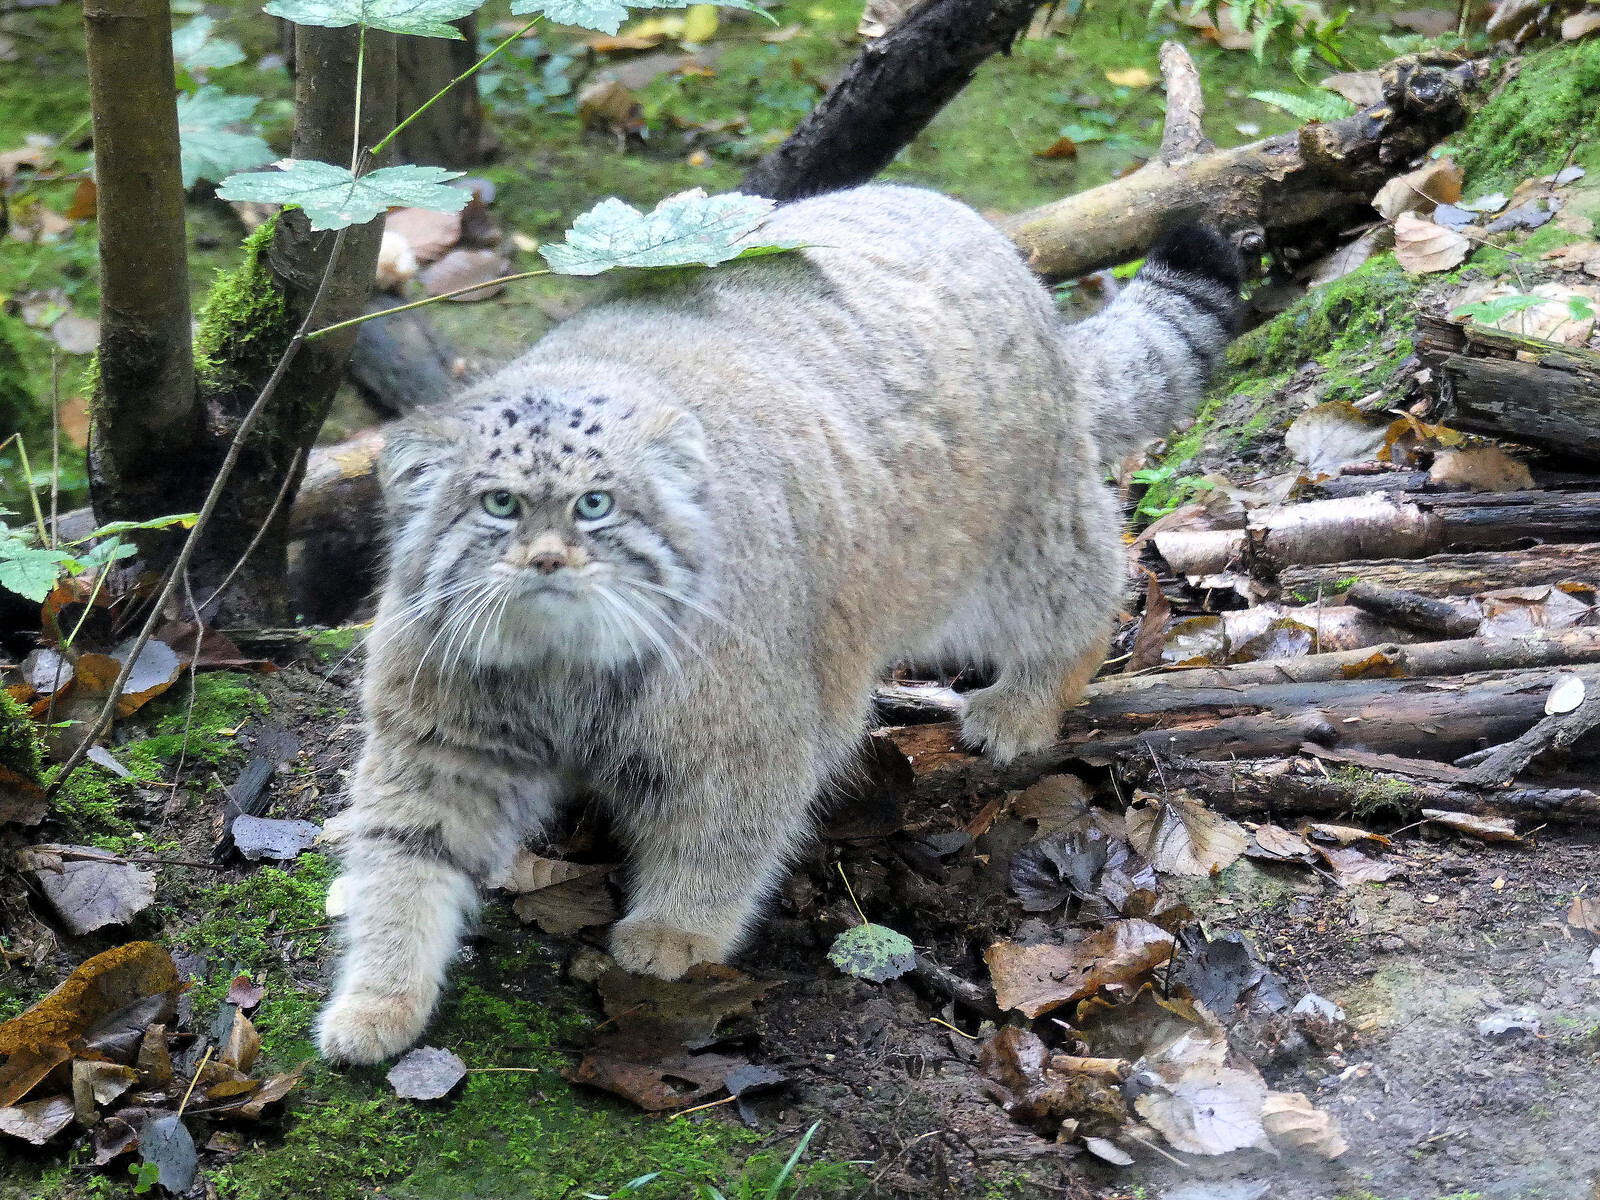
1036,979
1275,843
1180,836
427,1073
1351,867
1059,803
37,1121
1208,1110
1291,1120
1584,913
1151,638
1437,181
561,897
244,994
1422,247
1490,829
102,987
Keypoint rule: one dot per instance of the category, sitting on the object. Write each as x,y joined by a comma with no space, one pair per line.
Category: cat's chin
568,629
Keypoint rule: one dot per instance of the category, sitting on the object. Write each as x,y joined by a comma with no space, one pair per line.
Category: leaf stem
852,895
361,62
88,606
27,471
400,308
467,74
195,1079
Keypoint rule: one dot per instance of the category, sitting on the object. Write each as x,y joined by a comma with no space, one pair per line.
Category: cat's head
545,521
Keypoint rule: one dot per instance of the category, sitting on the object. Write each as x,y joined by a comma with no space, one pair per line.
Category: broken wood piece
1114,1070
1507,385
1322,176
1413,610
1556,732
1186,106
952,986
1453,574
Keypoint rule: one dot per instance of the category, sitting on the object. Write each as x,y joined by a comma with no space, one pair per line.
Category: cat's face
546,527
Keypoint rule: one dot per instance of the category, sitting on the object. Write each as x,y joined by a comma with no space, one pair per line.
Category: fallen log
1267,789
1556,732
1321,176
1400,523
1452,574
1413,610
1506,385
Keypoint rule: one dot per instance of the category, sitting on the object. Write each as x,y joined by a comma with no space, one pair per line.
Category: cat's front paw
660,951
367,1027
1005,722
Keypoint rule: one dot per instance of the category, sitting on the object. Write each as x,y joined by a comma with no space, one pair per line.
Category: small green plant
743,1189
1322,106
1290,30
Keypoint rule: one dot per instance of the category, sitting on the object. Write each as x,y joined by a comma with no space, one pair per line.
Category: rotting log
1413,610
1264,789
144,410
1452,574
1320,176
1325,531
1507,385
895,86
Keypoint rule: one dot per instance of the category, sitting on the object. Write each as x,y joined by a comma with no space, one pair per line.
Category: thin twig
492,1070
213,498
684,1112
194,693
88,607
33,494
196,1079
400,308
55,447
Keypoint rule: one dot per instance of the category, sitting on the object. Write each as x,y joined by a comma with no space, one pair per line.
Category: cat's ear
678,444
417,453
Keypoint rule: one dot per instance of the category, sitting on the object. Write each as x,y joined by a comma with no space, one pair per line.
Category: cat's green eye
501,504
591,506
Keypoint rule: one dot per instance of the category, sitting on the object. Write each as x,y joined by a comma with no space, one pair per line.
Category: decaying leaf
1059,803
1036,979
657,1084
244,994
685,1011
90,888
1351,867
1292,1120
1578,256
1584,913
1208,1110
873,952
1566,694
37,1121
1181,836
1149,642
1223,975
1017,1071
1422,247
96,1084
1277,844
1330,833
22,801
1490,829
426,1073
561,897
1437,181
270,837
1350,256
102,987
165,1141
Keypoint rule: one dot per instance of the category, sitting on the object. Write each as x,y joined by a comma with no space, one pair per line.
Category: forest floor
1433,1106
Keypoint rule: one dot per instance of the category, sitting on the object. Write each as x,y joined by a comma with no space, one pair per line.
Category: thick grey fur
885,447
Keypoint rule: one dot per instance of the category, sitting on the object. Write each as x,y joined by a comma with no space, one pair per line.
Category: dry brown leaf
1130,77
1344,835
657,1083
1181,836
1331,435
1422,247
104,985
1275,842
1579,256
1490,829
1437,181
1036,979
242,1046
1292,1120
96,1084
1348,257
1062,147
1059,803
1480,469
1150,641
607,105
22,801
24,1070
1584,914
85,201
1351,867
1209,1109
562,897
37,1121
88,888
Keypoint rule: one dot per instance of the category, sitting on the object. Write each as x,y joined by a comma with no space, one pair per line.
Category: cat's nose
547,562
546,554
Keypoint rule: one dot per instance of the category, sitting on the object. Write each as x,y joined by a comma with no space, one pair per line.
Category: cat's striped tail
1144,360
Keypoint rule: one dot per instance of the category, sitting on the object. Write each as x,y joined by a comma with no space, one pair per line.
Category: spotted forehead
545,435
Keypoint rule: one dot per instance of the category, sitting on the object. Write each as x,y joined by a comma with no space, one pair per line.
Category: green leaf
1326,106
776,1187
186,520
608,15
683,230
1491,312
210,150
873,952
334,198
194,48
1580,308
430,18
1083,133
30,571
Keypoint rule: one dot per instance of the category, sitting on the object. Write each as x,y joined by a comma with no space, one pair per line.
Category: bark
1556,732
1502,384
451,133
1320,177
1181,136
297,258
1454,574
1402,524
896,85
1413,610
1263,789
145,416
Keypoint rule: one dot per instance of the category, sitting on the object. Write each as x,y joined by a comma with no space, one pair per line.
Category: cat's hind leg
1043,620
426,826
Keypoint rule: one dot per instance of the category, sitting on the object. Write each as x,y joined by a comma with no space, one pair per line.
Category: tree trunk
285,271
145,419
896,85
451,133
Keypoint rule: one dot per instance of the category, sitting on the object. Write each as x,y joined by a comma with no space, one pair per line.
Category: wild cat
665,556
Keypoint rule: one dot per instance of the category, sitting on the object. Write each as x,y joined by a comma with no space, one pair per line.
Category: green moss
1533,123
237,919
223,701
332,645
19,743
245,323
1377,794
91,803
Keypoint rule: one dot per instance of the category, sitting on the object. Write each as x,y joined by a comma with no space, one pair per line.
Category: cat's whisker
457,646
612,621
688,602
507,594
649,630
671,626
444,627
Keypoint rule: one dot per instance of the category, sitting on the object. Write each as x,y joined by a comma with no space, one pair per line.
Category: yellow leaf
1134,77
700,23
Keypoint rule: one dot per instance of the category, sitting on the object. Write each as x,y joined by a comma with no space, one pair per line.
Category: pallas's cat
665,556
